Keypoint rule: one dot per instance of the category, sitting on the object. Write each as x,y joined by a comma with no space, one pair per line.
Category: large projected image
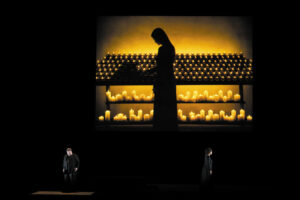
174,73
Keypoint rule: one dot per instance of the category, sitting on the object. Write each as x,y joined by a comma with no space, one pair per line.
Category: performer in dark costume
206,178
70,168
164,88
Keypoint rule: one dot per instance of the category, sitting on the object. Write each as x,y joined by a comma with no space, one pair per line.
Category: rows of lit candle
213,117
132,116
119,60
187,71
124,96
208,79
218,67
190,74
178,55
196,97
206,97
213,78
211,71
192,116
140,116
186,62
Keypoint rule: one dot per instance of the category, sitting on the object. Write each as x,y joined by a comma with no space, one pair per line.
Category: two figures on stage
71,164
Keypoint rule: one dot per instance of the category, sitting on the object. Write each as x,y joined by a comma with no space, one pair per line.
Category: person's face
69,153
156,41
210,153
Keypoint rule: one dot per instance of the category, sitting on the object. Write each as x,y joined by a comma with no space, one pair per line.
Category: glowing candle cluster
120,117
124,97
140,116
202,116
213,117
132,116
220,67
206,97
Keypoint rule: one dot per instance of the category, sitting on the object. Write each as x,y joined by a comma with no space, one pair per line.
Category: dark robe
207,166
164,88
70,163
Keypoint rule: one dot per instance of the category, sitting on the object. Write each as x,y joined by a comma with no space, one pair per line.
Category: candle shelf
122,69
189,69
124,122
128,102
141,102
204,102
216,122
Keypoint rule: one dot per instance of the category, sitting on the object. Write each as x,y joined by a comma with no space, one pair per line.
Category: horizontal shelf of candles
151,102
204,97
188,97
192,118
124,69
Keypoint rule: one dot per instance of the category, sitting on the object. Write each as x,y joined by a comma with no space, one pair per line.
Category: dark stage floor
158,191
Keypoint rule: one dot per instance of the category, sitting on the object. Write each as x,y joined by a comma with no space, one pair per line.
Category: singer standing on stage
70,168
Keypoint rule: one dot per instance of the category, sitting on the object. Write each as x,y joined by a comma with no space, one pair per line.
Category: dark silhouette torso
165,106
207,167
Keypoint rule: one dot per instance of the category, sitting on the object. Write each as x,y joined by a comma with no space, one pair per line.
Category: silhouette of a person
164,87
207,170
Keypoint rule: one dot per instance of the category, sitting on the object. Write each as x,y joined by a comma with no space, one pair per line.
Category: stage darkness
63,115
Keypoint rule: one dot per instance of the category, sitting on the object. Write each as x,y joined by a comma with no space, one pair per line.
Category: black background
56,105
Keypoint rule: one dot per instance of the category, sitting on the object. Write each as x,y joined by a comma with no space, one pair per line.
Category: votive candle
236,97
140,113
146,117
207,118
220,93
249,118
222,115
225,98
216,98
179,113
233,113
151,114
101,118
210,98
229,95
107,115
200,98
202,112
124,94
119,97
210,112
205,94
242,113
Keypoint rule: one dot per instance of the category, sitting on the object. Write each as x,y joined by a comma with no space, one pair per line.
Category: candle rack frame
108,103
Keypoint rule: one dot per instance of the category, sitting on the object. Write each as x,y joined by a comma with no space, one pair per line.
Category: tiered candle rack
145,79
108,103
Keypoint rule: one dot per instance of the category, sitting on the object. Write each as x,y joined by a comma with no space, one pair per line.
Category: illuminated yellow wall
131,34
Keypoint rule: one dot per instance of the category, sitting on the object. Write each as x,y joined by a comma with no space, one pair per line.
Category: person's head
208,151
69,151
159,36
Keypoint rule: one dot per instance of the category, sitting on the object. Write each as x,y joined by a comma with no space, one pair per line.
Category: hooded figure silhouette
164,87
